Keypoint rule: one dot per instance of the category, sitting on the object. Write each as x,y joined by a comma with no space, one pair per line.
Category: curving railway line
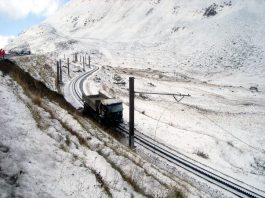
76,84
232,185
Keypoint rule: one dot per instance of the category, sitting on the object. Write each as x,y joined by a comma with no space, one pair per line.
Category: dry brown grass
176,193
36,99
230,143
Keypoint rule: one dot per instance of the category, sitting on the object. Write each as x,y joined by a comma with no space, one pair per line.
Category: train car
105,109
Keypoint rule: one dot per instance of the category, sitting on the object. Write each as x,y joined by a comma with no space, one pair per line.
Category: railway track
232,185
192,166
76,84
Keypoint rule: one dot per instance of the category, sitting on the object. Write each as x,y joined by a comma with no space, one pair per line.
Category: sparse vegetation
36,99
101,182
67,141
258,166
143,96
151,84
175,29
210,11
230,143
202,154
97,79
254,89
176,193
117,78
149,11
64,147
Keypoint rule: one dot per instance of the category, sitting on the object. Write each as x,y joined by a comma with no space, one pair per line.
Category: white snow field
211,49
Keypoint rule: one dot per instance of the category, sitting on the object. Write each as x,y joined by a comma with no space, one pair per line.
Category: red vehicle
2,54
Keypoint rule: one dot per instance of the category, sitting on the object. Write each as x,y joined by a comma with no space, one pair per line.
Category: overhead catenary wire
163,93
237,138
212,121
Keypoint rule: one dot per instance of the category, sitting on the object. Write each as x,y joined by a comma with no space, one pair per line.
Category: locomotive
107,110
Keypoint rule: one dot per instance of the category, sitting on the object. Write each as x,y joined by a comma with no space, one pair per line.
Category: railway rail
76,84
232,185
176,158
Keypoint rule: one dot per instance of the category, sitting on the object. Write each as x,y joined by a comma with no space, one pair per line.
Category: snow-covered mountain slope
203,38
212,49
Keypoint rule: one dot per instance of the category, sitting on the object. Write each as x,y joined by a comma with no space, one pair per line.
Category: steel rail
191,167
207,175
74,84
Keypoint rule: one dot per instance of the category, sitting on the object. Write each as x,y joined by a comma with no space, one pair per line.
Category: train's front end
113,111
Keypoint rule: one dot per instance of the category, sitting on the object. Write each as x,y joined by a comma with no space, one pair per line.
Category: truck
105,109
20,52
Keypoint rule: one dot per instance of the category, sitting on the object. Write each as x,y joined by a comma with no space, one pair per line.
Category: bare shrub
67,141
202,154
176,193
210,11
143,96
63,147
102,183
230,143
151,84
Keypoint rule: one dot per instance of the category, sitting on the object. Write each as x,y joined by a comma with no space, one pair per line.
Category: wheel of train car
85,111
99,120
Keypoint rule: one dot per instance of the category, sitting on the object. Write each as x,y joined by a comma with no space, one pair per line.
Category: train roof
111,101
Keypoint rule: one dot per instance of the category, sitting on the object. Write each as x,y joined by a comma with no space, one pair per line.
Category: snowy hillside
167,34
211,49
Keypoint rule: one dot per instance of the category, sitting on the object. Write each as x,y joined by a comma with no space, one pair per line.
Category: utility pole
89,61
58,73
68,66
61,74
131,106
84,69
131,112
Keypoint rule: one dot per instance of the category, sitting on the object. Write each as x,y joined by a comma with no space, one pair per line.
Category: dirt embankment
32,87
40,67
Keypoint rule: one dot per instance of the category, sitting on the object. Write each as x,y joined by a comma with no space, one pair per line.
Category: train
105,109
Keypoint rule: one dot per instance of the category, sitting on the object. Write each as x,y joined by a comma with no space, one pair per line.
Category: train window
115,108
